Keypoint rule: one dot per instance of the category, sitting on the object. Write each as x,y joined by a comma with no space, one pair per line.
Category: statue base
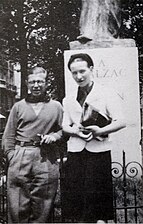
102,44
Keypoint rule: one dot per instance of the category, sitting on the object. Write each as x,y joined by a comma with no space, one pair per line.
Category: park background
38,32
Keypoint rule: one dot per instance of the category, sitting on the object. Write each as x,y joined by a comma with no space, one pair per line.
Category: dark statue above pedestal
99,19
99,25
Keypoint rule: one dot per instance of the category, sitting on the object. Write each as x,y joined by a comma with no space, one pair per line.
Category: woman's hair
80,57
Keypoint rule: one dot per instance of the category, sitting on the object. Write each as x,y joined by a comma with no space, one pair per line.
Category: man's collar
36,99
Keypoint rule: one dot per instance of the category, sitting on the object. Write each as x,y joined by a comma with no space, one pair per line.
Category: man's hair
36,70
82,57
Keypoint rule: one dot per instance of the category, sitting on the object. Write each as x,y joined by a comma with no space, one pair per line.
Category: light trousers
32,185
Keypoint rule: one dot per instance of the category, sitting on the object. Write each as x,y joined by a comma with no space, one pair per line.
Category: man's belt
22,144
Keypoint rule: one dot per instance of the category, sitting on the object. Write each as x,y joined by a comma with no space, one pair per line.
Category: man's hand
10,155
47,139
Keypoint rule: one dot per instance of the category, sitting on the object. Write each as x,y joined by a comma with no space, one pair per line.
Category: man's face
37,84
81,73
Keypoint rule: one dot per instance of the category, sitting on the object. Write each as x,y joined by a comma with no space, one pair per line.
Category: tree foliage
132,15
38,32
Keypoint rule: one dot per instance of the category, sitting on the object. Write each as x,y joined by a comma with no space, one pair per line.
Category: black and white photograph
71,111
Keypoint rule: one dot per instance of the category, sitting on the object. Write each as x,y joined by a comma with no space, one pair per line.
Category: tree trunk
23,75
23,49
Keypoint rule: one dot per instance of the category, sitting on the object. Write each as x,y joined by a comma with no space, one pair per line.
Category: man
33,125
89,118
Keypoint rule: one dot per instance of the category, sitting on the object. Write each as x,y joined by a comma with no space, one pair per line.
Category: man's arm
9,135
57,134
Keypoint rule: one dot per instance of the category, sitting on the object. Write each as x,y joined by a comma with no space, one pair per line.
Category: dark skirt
87,191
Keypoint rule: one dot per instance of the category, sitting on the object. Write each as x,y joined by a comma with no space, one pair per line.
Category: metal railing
128,187
3,193
127,193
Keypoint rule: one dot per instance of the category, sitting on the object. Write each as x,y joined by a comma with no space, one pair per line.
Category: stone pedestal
74,45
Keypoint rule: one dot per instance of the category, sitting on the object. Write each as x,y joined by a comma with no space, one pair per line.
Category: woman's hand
96,131
86,137
82,133
78,131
